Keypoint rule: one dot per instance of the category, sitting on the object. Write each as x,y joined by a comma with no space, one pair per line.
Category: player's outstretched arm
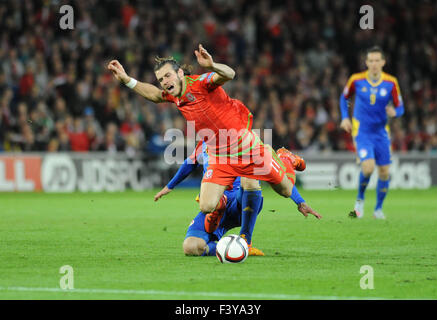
306,209
301,205
223,73
147,90
161,193
184,171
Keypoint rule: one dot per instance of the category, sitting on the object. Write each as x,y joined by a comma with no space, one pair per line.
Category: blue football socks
381,192
251,206
212,245
364,181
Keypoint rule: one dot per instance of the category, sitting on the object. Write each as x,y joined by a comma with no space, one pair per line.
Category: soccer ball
232,249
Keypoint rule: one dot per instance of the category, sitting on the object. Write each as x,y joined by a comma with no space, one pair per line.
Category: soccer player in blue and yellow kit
377,98
202,236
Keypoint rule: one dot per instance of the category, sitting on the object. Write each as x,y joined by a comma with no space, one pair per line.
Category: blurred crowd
292,60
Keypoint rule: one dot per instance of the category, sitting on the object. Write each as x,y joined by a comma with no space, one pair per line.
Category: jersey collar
372,83
184,87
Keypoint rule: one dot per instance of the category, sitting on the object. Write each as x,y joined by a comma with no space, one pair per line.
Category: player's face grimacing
375,62
170,80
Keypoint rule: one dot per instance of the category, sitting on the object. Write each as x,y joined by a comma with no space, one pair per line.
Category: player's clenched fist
391,112
346,125
118,71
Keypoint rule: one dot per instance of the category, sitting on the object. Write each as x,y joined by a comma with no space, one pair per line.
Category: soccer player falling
225,125
374,92
202,236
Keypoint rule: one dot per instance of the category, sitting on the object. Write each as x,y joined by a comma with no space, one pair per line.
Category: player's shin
363,183
251,206
381,192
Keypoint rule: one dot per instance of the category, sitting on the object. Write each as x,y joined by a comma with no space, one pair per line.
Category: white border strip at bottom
224,295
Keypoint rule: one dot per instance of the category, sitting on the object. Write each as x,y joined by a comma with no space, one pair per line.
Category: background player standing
374,92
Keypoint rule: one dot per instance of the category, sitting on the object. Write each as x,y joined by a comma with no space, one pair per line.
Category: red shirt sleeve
166,96
396,94
349,89
207,82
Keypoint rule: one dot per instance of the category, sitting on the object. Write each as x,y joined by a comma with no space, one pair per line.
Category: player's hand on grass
161,193
203,57
306,209
118,71
346,125
391,112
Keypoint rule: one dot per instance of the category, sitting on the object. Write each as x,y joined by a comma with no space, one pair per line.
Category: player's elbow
231,74
226,77
193,246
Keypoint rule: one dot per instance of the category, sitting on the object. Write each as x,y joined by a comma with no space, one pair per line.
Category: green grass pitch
125,246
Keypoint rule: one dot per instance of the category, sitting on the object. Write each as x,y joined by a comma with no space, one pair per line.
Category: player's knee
249,184
384,173
367,169
284,188
287,193
207,206
192,247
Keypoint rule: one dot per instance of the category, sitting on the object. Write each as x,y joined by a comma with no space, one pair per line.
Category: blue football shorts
376,147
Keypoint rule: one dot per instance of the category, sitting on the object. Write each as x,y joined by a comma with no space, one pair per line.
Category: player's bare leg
210,194
367,166
194,246
284,188
212,203
250,184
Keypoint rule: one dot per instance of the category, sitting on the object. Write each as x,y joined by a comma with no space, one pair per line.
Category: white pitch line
241,295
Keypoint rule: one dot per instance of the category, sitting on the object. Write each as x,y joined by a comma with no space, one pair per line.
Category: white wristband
132,83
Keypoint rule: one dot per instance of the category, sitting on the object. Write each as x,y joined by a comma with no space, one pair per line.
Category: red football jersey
218,120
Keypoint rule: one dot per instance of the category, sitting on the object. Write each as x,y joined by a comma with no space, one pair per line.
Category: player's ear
180,72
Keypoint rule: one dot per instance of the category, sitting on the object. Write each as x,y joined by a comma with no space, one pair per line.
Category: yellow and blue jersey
371,99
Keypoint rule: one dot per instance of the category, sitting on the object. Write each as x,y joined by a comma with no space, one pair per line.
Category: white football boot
378,214
359,208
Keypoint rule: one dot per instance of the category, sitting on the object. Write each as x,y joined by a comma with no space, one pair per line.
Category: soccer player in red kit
225,125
